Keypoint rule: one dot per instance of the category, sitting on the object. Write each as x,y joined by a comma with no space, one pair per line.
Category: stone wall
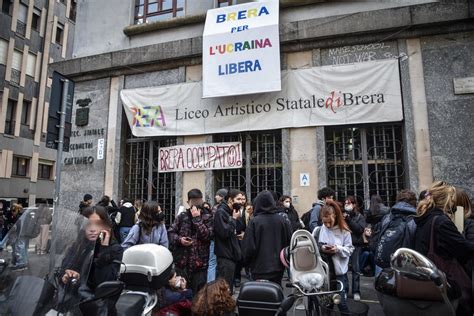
82,171
450,115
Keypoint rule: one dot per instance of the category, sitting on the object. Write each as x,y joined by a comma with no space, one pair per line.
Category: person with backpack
395,230
150,228
357,224
286,205
324,195
438,238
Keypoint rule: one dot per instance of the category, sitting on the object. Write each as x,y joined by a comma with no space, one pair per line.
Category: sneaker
19,268
356,297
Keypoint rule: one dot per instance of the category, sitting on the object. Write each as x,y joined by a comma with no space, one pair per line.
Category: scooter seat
130,304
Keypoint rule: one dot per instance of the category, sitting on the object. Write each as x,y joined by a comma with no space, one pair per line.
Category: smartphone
101,237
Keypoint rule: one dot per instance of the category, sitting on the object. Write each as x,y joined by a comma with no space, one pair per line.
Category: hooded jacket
127,218
225,238
449,243
357,224
266,235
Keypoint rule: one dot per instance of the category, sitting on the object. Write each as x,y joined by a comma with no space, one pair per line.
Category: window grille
365,160
262,165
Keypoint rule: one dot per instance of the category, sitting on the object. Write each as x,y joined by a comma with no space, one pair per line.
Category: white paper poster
320,96
197,157
241,50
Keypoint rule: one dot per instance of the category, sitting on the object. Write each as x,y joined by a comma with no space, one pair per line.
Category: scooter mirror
414,264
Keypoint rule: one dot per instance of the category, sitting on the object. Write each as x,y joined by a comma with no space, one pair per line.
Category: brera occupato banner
196,157
320,96
241,50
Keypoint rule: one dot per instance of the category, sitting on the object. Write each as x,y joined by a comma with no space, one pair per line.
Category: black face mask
236,206
160,217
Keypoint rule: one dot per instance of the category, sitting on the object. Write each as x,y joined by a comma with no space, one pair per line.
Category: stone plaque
82,116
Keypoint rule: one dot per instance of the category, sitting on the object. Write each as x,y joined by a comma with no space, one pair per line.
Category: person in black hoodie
125,218
434,220
357,224
227,246
266,235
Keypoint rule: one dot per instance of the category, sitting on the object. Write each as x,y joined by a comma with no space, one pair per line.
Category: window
36,20
25,113
20,166
3,51
44,171
7,6
16,66
31,65
10,117
59,34
223,3
363,161
21,23
262,164
142,179
72,10
157,10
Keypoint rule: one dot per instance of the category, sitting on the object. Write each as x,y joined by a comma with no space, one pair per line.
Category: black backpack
306,219
30,227
396,231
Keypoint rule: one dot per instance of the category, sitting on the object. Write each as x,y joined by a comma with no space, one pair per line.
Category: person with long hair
438,238
357,224
285,203
334,239
214,299
150,228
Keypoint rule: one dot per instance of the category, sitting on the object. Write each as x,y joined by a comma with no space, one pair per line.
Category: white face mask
286,204
348,208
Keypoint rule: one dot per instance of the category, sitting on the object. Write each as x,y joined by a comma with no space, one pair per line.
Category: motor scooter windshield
45,261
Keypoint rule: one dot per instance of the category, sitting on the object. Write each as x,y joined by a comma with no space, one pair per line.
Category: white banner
197,157
321,96
241,50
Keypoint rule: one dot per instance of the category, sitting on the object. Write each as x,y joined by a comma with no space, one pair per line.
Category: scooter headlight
336,299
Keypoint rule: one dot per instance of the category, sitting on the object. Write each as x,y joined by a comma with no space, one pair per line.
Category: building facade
156,43
33,34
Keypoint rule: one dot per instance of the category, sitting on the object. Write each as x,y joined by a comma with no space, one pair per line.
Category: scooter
145,269
414,286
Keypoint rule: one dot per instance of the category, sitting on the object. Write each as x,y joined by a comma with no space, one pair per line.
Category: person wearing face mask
285,203
174,298
357,224
150,228
226,240
190,238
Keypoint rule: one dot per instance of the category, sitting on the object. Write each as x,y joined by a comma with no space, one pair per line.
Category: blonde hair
462,199
440,195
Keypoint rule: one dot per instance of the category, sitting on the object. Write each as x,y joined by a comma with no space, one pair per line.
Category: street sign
304,179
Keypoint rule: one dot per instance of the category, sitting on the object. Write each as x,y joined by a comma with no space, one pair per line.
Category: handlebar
303,292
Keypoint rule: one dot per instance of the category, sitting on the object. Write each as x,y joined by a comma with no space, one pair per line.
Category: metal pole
59,154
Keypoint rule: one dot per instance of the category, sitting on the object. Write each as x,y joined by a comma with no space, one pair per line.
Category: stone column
420,114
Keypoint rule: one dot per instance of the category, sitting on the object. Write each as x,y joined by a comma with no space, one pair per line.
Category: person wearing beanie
219,197
86,202
266,235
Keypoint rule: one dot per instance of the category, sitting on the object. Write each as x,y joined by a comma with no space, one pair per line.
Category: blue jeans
343,308
20,252
211,269
124,232
355,271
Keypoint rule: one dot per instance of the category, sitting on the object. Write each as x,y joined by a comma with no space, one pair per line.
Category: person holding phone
226,237
190,238
334,238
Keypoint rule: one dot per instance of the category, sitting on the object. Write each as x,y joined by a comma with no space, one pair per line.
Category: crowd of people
213,244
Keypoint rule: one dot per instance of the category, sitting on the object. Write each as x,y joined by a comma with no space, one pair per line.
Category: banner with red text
197,157
319,96
241,49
